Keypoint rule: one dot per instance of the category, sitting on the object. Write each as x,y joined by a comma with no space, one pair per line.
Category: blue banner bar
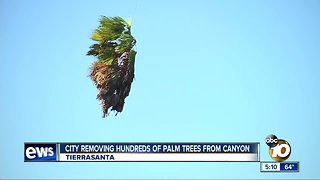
159,147
289,166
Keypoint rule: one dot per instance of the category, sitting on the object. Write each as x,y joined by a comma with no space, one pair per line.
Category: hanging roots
113,82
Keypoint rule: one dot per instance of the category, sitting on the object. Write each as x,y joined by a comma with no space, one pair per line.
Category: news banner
279,150
155,152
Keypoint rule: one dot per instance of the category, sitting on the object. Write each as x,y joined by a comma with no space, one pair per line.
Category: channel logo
279,149
40,152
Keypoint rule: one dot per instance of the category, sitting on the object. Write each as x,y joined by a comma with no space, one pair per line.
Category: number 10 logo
279,149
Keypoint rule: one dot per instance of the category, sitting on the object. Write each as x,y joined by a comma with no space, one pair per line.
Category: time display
271,167
279,167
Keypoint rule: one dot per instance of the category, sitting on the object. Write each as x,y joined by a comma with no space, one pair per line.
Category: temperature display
279,167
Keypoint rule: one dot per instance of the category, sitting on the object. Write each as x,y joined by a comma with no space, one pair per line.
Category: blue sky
206,71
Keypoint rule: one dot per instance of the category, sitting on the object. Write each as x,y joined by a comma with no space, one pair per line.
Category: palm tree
113,71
